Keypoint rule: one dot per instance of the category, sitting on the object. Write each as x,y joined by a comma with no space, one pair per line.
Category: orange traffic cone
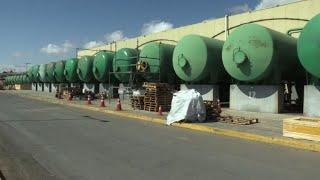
102,104
160,111
89,100
118,106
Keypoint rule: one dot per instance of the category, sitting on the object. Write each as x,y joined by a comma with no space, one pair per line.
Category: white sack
187,105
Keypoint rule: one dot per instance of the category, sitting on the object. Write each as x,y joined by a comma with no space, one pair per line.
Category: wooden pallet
156,85
156,95
137,102
237,120
213,109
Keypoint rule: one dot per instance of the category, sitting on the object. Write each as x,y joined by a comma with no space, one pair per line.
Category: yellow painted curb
299,144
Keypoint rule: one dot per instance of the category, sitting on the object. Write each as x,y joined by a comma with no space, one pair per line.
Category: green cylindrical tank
50,72
29,73
25,79
254,53
198,59
59,72
7,80
309,47
21,80
12,80
70,70
84,70
155,61
43,73
35,73
124,62
18,79
102,65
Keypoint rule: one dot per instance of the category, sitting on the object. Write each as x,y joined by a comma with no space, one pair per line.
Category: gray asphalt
70,143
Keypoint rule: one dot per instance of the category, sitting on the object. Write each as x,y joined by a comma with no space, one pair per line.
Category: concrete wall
256,98
311,102
305,9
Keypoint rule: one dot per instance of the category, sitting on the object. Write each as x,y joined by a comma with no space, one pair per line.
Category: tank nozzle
239,57
182,61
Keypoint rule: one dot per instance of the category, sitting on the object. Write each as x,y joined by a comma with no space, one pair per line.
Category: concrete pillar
103,87
91,87
34,87
209,92
109,90
47,87
311,103
40,86
257,98
54,87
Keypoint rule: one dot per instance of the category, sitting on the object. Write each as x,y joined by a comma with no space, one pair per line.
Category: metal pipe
169,40
226,27
260,20
294,30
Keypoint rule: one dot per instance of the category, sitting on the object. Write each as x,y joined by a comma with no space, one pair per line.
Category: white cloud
58,49
155,26
115,36
92,44
239,9
20,54
271,3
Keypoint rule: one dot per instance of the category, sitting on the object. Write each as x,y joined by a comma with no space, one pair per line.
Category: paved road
66,143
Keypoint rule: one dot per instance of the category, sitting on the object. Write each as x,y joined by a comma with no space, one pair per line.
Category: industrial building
254,61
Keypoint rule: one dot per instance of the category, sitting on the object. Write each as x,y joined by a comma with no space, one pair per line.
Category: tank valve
182,61
141,66
239,57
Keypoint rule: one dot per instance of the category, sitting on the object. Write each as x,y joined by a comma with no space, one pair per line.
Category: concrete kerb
298,144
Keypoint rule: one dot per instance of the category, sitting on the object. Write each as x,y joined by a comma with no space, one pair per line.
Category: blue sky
39,31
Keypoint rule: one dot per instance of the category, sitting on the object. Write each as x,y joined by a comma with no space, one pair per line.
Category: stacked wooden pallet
137,102
156,95
237,120
213,110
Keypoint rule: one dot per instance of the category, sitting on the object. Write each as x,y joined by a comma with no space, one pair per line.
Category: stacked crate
156,95
213,109
137,102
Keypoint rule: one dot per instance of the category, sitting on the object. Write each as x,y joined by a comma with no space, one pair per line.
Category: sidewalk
268,130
